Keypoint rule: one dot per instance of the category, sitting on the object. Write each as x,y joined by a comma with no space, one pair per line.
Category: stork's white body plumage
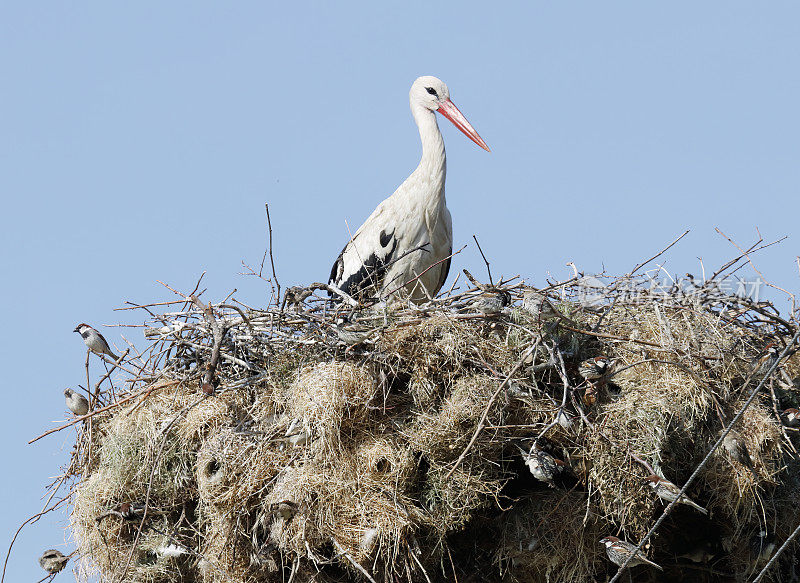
380,259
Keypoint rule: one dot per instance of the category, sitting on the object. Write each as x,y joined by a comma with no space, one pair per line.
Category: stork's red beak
451,112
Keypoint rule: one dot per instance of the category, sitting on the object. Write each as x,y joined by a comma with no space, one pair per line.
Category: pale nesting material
171,550
204,419
341,502
136,437
233,465
309,465
548,538
327,392
223,551
441,432
368,540
386,461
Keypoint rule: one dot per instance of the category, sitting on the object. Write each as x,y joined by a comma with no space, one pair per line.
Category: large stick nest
320,443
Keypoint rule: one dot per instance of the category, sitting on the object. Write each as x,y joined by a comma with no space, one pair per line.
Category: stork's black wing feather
337,269
367,280
445,270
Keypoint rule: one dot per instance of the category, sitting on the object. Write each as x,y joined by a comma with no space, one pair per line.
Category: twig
612,337
659,254
133,306
409,252
109,371
413,553
753,248
33,518
334,289
224,355
353,562
218,330
241,313
486,261
412,280
753,266
474,281
271,260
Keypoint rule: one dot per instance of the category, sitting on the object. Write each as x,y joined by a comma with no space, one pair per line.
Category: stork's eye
432,91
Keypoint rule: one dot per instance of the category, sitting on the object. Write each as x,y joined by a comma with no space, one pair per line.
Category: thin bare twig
32,519
486,261
657,255
353,562
413,279
271,259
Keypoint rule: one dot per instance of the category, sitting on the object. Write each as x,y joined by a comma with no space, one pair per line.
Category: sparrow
619,550
492,303
589,397
791,417
734,445
596,368
350,333
668,491
130,510
565,420
53,561
296,295
700,554
125,510
76,402
762,546
768,357
286,509
538,305
94,340
542,465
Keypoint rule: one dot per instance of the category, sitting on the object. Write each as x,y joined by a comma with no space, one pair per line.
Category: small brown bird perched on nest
619,550
542,465
791,417
296,295
126,511
734,445
596,368
492,303
76,402
668,491
53,561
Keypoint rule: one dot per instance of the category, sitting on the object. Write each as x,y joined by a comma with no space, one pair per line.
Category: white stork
380,260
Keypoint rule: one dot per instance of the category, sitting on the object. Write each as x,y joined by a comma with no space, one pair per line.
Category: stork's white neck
433,165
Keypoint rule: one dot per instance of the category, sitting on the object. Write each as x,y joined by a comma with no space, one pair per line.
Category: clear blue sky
140,142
